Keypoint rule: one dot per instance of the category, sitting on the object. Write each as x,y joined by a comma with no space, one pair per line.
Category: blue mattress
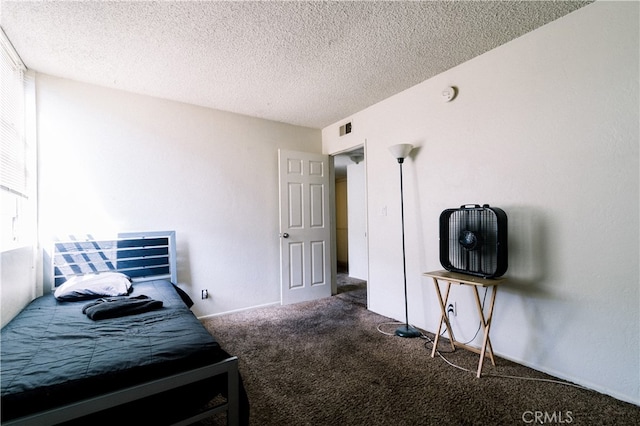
52,354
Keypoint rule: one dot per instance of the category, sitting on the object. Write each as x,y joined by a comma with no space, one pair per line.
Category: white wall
356,193
112,162
545,127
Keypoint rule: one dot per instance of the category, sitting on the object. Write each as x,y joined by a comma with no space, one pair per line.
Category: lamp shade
400,151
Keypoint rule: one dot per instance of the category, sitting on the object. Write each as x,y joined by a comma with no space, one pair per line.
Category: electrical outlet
452,309
205,294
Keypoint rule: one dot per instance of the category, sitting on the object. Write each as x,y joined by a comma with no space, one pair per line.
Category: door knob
285,235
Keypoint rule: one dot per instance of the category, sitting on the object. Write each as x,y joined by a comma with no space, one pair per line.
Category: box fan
473,240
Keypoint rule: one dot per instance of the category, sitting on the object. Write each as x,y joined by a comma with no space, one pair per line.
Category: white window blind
13,153
18,197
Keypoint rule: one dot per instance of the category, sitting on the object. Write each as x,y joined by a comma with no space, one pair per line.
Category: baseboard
575,380
266,305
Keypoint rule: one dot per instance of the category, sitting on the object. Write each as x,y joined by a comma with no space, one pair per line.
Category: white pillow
94,285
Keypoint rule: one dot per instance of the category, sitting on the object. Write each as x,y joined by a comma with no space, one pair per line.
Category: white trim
11,51
234,311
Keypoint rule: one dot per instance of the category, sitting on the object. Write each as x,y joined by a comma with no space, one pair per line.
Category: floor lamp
400,152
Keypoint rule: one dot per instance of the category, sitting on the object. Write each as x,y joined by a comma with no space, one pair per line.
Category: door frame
332,201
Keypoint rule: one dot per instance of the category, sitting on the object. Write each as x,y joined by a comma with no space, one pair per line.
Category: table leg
486,324
443,317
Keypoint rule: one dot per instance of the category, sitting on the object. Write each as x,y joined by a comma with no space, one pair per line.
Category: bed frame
142,256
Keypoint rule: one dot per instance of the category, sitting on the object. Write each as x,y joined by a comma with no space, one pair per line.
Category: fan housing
473,240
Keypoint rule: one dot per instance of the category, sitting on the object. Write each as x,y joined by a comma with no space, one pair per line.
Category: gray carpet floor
332,362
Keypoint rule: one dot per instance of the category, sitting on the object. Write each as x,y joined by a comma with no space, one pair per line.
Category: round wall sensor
448,93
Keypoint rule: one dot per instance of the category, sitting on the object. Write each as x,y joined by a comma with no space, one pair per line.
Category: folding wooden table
485,322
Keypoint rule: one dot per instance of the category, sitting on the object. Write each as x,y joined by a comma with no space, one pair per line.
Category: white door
305,233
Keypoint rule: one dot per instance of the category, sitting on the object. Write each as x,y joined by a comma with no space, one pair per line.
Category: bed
132,351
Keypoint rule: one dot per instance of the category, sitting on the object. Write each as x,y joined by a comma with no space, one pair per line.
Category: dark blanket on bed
53,354
113,307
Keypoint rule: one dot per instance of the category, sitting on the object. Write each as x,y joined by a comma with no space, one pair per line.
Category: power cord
484,298
386,333
503,376
396,323
429,340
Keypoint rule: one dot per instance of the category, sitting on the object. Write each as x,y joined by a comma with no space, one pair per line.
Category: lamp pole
400,152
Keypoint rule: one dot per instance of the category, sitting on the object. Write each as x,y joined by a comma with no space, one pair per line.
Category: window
17,153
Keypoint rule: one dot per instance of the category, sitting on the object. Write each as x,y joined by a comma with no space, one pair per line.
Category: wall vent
345,129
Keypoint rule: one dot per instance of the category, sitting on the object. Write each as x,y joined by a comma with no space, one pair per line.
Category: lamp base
408,331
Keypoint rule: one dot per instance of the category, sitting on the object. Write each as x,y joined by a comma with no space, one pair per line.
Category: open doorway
351,224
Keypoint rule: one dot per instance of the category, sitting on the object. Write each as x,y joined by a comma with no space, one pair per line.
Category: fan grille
474,240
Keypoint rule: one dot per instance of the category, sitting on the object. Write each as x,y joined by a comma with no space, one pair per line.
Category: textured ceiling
303,63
